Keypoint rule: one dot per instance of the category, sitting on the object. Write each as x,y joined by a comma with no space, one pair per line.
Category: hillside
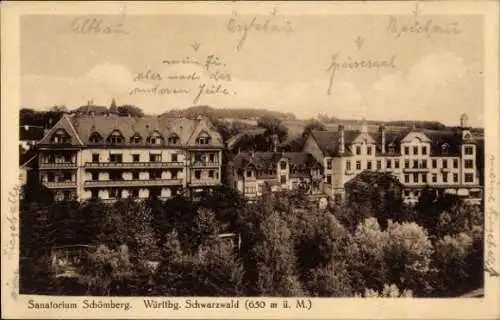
230,114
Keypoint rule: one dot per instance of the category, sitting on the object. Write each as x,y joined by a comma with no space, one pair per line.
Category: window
95,157
455,163
445,177
249,173
135,175
469,164
424,150
173,139
445,163
369,150
197,174
95,138
155,157
407,178
369,165
174,174
407,164
424,164
174,157
348,165
415,177
445,147
155,174
115,137
424,178
60,136
469,150
379,164
115,176
434,163
329,164
389,163
415,150
135,157
407,193
203,138
134,193
358,165
415,163
94,176
116,157
94,193
396,163
283,165
391,148
329,179
469,178
434,177
211,174
155,138
211,157
455,177
136,139
407,150
283,179
358,150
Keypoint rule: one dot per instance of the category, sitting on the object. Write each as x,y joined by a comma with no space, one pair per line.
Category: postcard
250,160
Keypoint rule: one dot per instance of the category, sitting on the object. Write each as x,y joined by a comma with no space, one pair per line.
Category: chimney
464,120
382,138
341,139
364,126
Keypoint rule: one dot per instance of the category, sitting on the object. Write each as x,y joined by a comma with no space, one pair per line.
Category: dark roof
81,127
30,133
328,141
268,160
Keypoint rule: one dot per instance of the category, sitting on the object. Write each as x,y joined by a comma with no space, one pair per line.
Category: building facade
446,160
254,173
112,157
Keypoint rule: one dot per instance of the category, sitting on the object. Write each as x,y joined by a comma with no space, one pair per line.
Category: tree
275,260
273,126
408,257
450,261
389,291
371,243
332,280
313,125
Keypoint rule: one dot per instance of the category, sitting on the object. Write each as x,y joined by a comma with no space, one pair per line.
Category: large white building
112,157
444,159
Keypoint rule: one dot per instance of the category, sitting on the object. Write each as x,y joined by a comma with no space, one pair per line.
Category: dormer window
115,137
173,139
466,135
95,137
203,138
392,149
445,147
136,139
60,137
155,138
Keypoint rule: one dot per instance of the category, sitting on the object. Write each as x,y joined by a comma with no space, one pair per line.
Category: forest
372,246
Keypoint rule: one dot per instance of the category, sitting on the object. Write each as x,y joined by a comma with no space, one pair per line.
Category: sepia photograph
237,154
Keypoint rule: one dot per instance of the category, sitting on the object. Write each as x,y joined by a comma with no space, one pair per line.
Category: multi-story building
254,173
446,160
112,157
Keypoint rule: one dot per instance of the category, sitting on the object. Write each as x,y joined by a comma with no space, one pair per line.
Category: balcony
204,182
60,165
207,164
132,183
60,184
132,165
420,169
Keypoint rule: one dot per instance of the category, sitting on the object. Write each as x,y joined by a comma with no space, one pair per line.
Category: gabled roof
83,126
269,160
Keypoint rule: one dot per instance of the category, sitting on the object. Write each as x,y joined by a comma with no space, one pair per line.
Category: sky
434,76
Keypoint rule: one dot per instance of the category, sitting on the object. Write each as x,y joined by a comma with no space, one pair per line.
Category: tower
464,120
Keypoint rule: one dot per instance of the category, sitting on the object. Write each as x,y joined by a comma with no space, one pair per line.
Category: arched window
115,137
445,147
203,138
60,136
155,138
173,139
95,137
136,139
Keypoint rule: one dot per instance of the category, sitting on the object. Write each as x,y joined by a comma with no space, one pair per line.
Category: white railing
128,183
